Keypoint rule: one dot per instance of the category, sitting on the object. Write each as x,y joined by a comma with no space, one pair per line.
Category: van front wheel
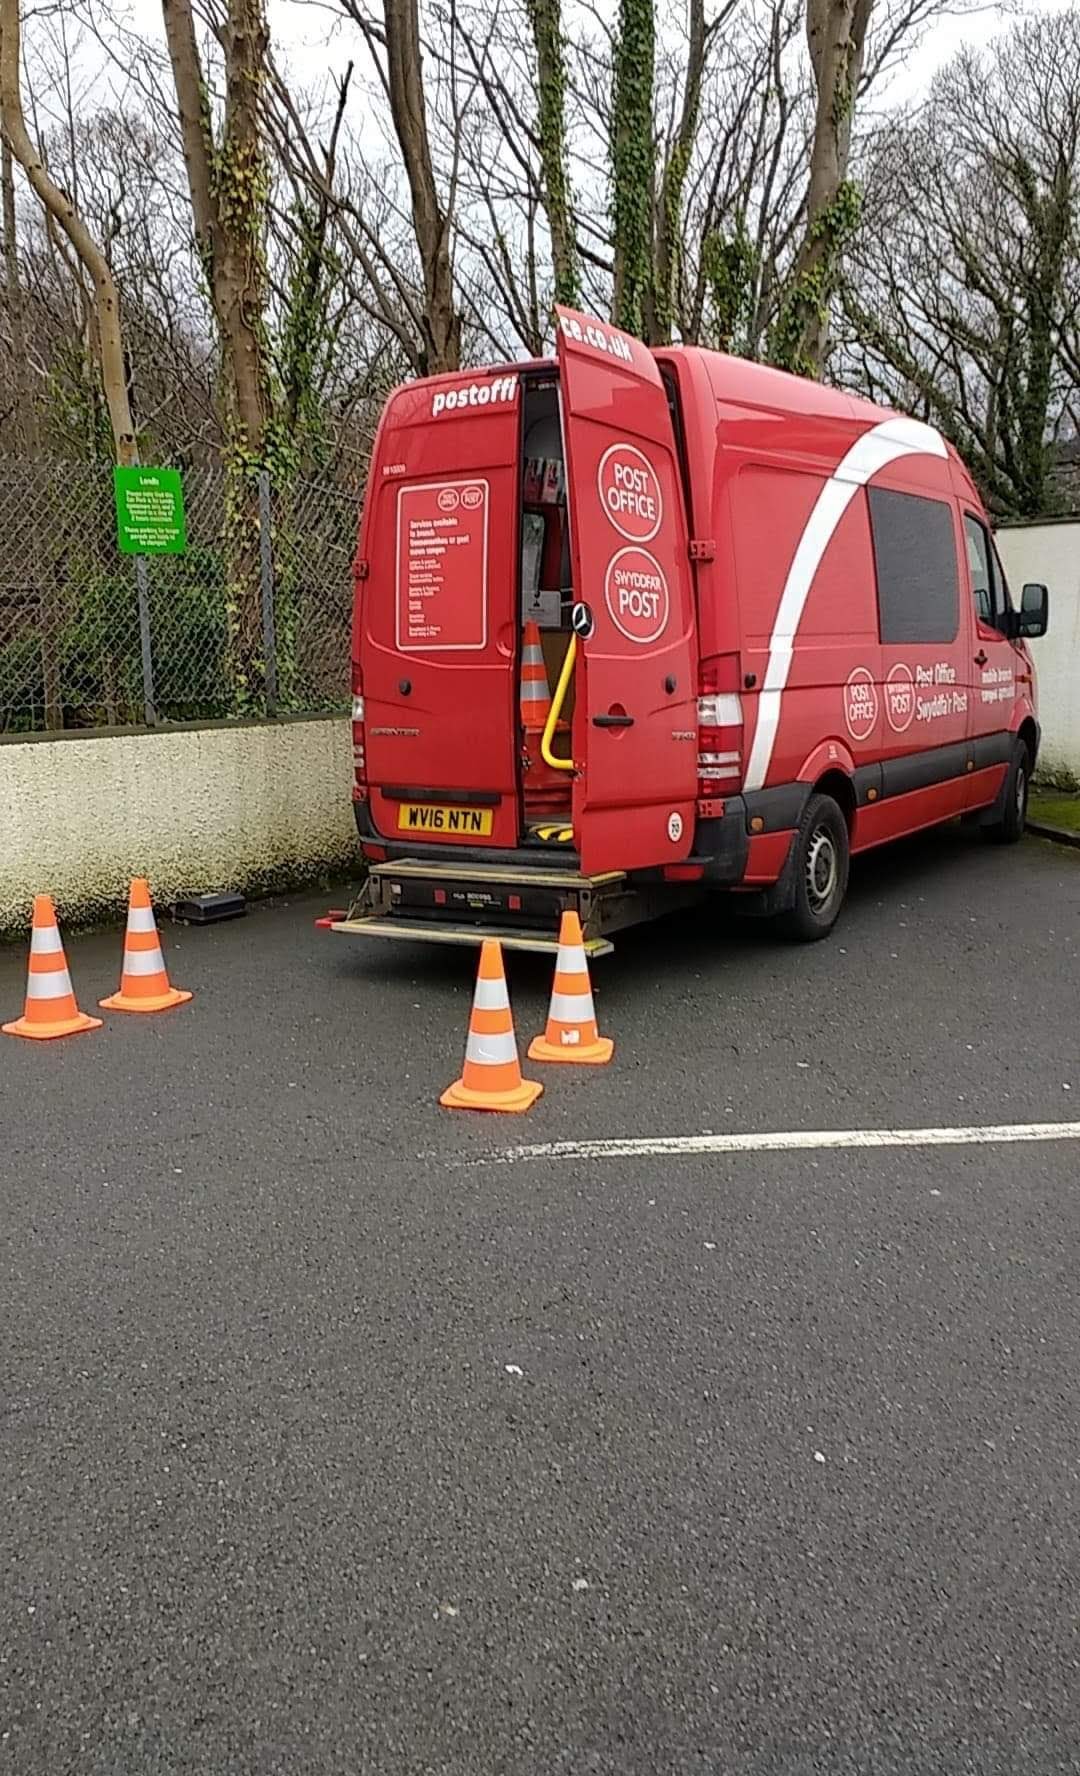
1008,828
820,865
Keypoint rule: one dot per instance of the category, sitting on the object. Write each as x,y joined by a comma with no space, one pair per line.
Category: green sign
150,511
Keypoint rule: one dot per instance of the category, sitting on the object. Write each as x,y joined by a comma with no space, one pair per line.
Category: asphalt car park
340,1435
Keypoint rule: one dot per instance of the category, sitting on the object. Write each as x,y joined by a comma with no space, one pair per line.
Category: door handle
613,721
981,658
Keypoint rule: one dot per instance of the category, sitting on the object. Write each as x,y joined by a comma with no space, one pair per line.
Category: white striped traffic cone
571,1033
144,980
535,690
51,1009
491,1078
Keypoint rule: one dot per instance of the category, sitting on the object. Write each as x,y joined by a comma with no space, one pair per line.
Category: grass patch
1056,809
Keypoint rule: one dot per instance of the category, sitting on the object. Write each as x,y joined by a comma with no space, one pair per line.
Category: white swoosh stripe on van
878,447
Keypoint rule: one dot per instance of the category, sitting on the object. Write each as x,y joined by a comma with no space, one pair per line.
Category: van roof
742,383
737,380
733,379
762,385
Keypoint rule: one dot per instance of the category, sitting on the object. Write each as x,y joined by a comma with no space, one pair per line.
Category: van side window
915,555
987,580
1003,595
978,556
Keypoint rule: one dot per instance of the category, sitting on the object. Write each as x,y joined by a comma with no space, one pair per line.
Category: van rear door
438,628
635,712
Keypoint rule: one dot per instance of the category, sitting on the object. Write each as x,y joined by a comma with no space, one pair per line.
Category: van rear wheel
820,866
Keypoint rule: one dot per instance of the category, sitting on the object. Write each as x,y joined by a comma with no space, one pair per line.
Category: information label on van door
441,577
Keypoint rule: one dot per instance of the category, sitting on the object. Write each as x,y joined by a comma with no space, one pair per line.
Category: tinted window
987,581
915,552
978,556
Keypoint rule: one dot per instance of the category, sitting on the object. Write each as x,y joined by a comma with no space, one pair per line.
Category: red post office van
774,631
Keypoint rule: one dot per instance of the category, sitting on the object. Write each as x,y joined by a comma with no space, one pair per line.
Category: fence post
266,583
142,593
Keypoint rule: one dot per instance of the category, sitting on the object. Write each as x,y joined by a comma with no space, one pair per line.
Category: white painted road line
791,1141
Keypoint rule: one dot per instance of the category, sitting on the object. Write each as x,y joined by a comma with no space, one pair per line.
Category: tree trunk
47,581
25,430
60,207
836,36
229,189
405,84
670,208
546,20
241,190
633,158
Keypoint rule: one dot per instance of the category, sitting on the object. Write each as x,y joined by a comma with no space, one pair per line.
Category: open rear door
635,711
439,619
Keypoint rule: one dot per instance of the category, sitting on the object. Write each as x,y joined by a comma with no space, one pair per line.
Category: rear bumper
393,850
721,847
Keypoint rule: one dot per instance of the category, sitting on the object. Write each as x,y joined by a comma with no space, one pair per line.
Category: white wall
1050,553
242,806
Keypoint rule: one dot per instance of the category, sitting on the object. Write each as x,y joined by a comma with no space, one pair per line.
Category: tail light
359,742
720,729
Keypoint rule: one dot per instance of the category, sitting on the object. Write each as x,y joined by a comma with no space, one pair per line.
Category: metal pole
266,583
142,590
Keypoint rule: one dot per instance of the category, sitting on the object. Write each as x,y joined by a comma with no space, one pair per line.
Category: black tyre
1009,827
821,862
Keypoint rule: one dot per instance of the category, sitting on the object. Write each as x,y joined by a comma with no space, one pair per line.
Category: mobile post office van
774,628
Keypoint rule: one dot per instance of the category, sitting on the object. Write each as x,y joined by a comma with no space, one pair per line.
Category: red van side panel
793,483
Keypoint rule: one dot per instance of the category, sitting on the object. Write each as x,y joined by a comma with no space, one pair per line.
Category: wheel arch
1028,732
839,786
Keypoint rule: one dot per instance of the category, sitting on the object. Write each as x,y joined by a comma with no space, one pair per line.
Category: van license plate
432,817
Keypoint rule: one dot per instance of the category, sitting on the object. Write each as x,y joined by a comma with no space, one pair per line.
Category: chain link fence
91,638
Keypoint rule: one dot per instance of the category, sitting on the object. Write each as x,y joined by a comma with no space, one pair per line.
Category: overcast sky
312,40
301,29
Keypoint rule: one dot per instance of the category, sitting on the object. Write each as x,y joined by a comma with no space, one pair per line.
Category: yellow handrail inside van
557,701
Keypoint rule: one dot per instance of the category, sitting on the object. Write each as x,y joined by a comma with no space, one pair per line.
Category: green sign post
150,511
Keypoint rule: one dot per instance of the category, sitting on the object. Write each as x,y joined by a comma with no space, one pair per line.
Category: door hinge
360,569
702,549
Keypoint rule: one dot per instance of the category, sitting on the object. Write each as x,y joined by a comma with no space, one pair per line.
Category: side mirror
1034,611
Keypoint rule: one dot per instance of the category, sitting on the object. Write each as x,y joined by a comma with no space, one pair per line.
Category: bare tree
395,43
961,300
227,182
545,17
405,87
305,328
228,185
64,214
22,413
836,38
633,164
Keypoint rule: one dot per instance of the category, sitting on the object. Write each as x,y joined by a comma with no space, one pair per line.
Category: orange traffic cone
571,1033
144,982
50,1000
535,691
491,1078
